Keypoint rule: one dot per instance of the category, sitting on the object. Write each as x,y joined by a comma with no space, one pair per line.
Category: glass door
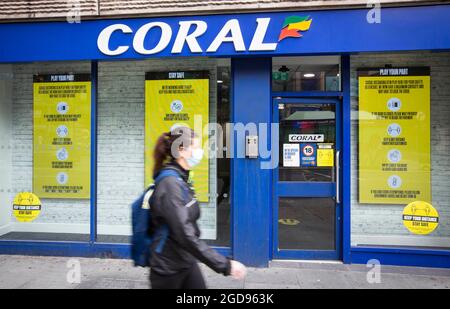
307,210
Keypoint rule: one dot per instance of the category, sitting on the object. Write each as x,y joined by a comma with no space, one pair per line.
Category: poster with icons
394,135
62,136
177,99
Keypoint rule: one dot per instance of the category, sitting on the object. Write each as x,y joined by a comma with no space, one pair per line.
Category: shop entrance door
306,197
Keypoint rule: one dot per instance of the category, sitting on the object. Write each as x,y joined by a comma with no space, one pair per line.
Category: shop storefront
328,134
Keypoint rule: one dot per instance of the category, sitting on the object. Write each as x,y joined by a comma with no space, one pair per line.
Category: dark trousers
189,279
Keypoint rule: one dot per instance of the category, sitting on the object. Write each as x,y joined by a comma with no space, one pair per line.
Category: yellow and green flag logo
293,25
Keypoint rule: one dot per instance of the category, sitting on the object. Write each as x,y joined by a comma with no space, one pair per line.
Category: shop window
296,74
45,151
133,98
45,148
400,146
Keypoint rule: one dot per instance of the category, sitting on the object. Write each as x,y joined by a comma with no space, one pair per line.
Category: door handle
338,177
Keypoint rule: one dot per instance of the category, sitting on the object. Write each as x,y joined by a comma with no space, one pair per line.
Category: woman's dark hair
169,144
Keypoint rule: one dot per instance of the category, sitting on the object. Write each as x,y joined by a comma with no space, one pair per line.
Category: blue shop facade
330,139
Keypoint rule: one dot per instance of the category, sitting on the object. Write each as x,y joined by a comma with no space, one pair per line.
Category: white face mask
197,156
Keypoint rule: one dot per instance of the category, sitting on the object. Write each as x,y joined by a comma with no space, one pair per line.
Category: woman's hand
238,270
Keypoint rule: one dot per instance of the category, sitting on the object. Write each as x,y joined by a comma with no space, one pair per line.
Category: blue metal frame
251,191
75,249
401,257
346,158
308,94
69,249
94,92
306,189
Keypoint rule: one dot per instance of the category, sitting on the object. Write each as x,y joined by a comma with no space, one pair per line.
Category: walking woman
174,266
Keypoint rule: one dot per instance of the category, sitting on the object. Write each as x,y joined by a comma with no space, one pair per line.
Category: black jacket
174,204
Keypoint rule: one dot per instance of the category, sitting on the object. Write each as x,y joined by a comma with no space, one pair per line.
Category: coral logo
293,25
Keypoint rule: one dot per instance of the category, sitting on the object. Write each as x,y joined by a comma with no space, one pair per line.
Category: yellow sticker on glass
26,207
325,157
420,218
288,221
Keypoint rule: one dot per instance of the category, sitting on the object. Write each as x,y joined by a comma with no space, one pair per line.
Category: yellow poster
62,136
173,99
394,135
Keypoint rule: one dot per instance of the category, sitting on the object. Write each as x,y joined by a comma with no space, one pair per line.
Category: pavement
31,272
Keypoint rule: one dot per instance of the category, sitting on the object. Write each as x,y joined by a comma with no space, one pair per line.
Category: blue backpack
142,238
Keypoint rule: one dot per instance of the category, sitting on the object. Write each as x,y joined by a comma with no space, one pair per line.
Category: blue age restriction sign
308,154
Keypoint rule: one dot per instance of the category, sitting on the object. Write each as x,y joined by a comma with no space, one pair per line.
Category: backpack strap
164,231
166,173
151,189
